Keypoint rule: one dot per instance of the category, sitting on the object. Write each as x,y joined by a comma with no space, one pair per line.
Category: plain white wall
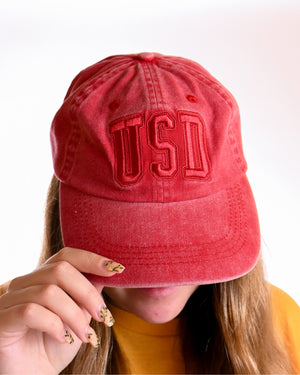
252,47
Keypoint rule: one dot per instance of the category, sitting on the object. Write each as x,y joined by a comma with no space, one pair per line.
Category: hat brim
202,241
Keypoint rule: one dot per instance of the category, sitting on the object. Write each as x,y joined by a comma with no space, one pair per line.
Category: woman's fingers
52,305
64,270
87,262
68,278
82,260
21,318
55,300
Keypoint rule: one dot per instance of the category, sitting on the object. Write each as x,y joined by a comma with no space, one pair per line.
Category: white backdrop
252,47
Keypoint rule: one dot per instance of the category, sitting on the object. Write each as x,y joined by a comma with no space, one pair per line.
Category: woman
150,181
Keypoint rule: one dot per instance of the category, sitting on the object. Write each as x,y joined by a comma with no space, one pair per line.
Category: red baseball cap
149,156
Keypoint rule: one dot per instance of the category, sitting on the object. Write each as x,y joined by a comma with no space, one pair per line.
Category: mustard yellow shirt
287,323
147,348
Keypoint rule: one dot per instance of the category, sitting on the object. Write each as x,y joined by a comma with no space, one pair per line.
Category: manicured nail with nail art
93,338
68,337
112,266
106,316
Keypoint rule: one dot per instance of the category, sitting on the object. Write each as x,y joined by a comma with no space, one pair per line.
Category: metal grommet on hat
148,151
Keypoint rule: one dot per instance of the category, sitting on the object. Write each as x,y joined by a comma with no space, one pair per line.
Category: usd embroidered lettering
164,132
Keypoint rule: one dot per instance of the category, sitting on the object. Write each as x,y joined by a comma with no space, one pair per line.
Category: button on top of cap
146,56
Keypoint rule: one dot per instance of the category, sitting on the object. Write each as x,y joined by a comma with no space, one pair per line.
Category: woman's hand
45,315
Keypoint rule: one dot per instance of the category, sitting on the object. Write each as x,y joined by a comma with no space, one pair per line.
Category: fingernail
68,337
92,337
112,266
106,316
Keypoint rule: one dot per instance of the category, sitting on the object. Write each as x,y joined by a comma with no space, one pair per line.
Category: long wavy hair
227,328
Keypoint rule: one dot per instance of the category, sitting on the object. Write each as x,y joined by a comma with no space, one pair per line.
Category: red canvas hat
148,151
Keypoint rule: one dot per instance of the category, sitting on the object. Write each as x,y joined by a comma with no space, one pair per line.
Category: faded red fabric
148,151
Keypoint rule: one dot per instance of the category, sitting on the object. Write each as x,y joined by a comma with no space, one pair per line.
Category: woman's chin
154,305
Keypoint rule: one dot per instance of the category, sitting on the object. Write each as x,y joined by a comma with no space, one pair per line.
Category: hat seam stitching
219,89
240,240
217,243
75,102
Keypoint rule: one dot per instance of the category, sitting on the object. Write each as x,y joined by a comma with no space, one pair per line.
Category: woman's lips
158,292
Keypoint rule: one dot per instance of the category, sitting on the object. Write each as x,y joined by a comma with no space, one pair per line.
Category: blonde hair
227,327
